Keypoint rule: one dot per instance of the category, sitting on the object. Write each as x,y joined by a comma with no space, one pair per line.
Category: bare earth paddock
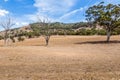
66,58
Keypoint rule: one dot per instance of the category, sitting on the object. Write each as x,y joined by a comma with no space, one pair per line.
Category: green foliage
81,32
107,16
101,32
80,28
86,32
12,38
35,27
79,25
116,31
29,34
71,29
21,39
1,37
59,26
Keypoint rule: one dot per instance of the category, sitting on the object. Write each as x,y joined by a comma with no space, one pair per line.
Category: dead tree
6,24
45,30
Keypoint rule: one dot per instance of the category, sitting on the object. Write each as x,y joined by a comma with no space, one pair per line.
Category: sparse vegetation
12,38
80,56
1,37
21,38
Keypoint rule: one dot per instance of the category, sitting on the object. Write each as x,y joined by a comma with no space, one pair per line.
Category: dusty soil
66,58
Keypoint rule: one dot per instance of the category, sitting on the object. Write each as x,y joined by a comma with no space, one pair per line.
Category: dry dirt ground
66,58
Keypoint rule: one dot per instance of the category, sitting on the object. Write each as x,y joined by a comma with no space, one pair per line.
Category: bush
21,38
12,38
94,31
1,38
114,33
88,32
72,33
101,32
36,34
61,33
29,34
81,32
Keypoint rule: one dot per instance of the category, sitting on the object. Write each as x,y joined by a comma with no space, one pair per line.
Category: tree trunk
108,35
5,38
47,40
5,42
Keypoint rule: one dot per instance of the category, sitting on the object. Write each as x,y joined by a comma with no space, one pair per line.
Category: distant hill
79,28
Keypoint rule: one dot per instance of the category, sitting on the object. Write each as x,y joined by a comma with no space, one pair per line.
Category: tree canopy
107,16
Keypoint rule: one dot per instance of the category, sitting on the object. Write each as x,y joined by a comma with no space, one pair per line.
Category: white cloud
31,17
35,17
72,12
53,7
20,21
19,24
50,9
5,0
3,12
15,0
112,1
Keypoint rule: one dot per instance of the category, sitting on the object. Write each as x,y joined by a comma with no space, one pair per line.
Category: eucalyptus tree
107,16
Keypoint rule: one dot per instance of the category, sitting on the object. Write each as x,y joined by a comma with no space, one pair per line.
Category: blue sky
26,11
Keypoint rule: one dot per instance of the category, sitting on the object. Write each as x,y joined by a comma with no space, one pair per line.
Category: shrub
93,31
72,33
101,32
36,34
1,38
29,34
12,38
81,32
114,33
88,32
21,38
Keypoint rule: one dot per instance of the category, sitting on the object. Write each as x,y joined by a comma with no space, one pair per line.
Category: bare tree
6,23
45,31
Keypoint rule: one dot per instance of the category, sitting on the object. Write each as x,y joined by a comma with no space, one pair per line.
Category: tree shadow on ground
39,45
99,42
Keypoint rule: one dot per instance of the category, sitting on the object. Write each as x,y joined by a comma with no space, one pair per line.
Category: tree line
106,17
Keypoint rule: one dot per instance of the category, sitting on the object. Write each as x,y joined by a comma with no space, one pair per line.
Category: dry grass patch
63,59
